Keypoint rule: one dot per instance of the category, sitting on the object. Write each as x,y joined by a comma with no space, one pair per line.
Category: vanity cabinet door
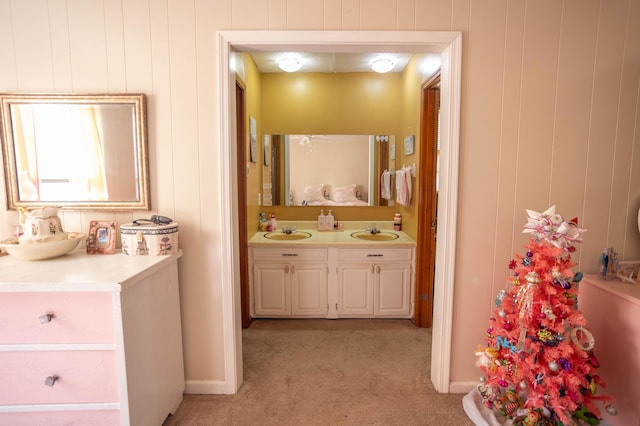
392,290
355,290
308,290
272,286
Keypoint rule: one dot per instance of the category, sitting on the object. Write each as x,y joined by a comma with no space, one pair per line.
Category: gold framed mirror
75,151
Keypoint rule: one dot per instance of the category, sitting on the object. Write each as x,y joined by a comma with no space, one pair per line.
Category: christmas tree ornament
582,338
554,366
502,313
611,409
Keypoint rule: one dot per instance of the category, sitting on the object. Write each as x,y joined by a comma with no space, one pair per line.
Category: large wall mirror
75,151
326,170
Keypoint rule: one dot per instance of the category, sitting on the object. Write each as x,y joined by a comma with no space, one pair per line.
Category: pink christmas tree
539,364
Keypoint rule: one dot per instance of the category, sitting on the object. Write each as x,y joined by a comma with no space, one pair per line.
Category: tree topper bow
552,227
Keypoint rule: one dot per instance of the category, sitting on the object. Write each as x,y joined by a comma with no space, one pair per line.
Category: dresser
612,310
90,339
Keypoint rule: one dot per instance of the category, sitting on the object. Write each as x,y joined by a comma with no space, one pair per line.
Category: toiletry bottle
274,223
397,222
329,221
322,221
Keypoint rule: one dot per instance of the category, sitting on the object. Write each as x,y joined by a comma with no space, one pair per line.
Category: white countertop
93,272
341,238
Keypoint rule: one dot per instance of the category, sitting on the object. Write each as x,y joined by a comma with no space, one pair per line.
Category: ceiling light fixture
382,65
289,64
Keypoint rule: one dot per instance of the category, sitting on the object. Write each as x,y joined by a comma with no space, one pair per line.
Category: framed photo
102,237
409,142
253,135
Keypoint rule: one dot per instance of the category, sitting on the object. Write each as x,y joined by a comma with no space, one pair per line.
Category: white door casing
449,45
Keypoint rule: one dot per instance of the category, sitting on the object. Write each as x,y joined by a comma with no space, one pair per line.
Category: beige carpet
330,372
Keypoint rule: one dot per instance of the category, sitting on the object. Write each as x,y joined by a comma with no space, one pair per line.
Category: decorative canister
152,237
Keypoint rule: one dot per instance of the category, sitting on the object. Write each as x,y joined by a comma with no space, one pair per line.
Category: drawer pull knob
51,380
45,318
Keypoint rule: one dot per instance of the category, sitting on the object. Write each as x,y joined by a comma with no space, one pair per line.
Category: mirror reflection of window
67,161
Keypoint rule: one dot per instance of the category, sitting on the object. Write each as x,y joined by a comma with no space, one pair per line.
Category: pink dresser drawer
60,418
84,317
83,376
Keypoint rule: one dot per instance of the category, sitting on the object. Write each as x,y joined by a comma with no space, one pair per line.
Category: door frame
449,45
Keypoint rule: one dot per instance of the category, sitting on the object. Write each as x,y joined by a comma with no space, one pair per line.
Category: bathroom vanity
331,275
90,339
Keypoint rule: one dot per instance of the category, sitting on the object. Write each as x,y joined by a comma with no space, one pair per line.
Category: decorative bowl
44,250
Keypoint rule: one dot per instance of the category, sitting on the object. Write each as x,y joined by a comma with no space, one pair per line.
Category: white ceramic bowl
46,250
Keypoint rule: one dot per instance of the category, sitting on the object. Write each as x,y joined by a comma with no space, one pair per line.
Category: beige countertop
340,238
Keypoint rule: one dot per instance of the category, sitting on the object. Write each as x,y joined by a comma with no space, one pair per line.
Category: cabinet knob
286,269
51,380
45,318
293,269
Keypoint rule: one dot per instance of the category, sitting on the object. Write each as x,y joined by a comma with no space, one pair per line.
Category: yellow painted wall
252,81
345,103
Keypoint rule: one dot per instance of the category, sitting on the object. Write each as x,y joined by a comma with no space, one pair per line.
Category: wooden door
427,203
241,144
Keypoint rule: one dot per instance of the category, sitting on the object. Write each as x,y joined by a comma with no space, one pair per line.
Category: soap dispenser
273,222
322,221
329,221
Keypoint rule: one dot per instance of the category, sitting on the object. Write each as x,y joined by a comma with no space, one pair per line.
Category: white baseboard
461,387
201,387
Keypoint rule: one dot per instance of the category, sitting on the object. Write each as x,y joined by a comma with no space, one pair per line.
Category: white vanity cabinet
90,340
289,282
331,275
374,282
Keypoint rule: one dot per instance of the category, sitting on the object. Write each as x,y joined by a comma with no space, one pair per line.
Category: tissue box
149,239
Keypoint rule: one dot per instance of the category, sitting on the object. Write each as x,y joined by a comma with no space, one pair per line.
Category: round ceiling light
382,65
290,64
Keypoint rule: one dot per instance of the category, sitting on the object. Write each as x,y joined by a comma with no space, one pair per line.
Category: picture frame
253,142
409,143
102,237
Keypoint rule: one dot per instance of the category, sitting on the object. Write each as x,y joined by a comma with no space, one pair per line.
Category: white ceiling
329,62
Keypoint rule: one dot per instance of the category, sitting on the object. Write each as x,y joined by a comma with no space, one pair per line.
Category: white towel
403,186
385,185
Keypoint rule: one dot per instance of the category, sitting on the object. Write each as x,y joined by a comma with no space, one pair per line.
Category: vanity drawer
375,255
60,418
306,255
83,376
84,317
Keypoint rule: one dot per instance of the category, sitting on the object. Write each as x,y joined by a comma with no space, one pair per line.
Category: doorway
448,45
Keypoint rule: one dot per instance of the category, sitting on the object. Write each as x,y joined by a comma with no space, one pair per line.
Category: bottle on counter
397,222
273,222
322,221
329,221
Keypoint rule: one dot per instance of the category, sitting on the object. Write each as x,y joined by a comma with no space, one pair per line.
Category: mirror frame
136,100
